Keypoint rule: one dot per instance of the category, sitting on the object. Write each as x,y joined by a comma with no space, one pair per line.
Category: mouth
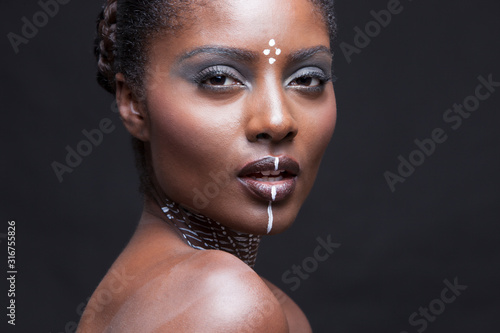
270,178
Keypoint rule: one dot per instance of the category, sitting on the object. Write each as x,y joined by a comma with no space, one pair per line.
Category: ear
132,112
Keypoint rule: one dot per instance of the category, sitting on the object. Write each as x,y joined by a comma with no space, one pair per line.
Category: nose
270,115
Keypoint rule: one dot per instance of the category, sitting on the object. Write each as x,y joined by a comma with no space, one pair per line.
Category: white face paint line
273,192
276,163
270,220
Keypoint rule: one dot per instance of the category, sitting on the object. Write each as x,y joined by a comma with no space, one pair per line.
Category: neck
203,233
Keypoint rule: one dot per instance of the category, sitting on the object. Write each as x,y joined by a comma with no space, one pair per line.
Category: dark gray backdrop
397,248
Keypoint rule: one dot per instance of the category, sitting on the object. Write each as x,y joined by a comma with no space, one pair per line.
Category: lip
264,189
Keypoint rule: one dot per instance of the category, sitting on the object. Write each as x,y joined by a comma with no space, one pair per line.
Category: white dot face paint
277,51
270,217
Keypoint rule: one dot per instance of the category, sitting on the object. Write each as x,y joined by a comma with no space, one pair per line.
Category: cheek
320,126
317,134
326,126
186,140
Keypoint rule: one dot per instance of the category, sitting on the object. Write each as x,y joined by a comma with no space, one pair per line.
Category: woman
231,106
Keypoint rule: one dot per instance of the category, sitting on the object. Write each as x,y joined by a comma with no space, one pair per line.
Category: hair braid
105,46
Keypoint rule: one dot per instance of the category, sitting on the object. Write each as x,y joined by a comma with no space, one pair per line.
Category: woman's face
241,83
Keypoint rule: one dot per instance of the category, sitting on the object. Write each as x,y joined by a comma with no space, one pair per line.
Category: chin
252,216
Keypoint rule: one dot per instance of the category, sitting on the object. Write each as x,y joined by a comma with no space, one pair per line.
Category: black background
396,248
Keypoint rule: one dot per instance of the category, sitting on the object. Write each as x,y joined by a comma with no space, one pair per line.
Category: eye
307,81
220,80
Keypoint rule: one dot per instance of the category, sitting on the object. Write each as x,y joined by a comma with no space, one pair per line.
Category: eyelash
212,72
323,80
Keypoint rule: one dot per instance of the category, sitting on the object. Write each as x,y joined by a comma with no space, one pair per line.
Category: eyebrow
234,53
304,54
249,56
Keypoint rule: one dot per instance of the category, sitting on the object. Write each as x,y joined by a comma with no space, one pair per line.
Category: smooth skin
212,103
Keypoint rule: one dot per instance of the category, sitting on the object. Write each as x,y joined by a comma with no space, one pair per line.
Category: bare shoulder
208,291
297,320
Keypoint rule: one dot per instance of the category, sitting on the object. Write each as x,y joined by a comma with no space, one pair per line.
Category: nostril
263,136
290,135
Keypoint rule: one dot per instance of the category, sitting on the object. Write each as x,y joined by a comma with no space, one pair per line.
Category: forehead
246,24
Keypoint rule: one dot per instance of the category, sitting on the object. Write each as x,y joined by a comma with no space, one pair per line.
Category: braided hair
124,30
105,46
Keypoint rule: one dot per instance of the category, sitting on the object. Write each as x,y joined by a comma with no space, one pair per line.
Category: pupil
218,80
306,81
